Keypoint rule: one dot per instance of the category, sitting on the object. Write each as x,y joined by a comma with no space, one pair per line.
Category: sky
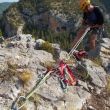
8,1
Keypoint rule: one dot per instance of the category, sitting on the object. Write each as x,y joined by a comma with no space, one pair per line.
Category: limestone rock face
21,67
97,73
105,54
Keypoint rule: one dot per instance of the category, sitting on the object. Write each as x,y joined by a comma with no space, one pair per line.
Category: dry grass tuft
97,61
108,85
24,108
25,76
36,99
48,47
12,71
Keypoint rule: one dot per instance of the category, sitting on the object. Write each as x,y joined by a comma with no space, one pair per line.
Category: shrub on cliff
47,46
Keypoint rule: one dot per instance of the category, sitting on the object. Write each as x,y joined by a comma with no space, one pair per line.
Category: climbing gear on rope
80,54
23,99
79,41
63,71
66,71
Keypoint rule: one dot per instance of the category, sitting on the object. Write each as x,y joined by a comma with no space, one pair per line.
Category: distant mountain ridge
4,6
43,17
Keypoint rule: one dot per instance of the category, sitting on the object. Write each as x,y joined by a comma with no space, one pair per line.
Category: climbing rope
79,41
79,54
23,99
63,71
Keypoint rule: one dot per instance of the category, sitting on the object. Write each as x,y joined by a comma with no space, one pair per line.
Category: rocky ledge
22,65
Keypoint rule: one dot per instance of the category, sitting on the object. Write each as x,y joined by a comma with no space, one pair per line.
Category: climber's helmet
84,4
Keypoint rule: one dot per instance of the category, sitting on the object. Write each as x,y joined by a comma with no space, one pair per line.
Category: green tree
0,33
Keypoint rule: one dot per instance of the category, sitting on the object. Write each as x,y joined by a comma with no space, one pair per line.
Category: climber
93,18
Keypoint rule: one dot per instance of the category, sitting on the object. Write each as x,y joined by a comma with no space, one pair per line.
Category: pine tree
0,33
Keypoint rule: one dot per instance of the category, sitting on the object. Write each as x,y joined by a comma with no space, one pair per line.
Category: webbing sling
64,69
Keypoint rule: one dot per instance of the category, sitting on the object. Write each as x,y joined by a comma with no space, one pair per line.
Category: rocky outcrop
105,54
42,15
38,15
12,20
21,67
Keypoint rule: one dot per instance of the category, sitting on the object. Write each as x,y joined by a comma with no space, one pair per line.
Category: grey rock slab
106,40
75,98
8,94
105,54
45,106
43,56
51,90
64,55
97,73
